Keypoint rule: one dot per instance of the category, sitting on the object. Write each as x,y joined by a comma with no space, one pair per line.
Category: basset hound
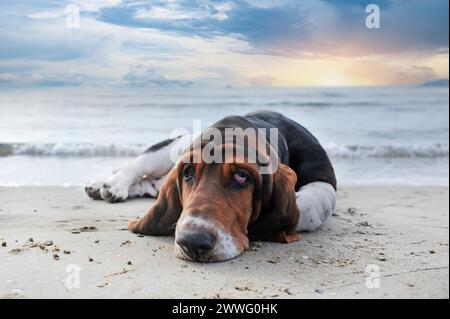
214,207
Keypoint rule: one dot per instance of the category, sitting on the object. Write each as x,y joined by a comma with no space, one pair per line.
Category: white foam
434,150
75,149
388,151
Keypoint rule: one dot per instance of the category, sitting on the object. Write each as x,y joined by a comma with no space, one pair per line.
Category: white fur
316,202
132,179
224,249
146,188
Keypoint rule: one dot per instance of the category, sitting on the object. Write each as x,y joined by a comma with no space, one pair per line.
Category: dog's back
298,148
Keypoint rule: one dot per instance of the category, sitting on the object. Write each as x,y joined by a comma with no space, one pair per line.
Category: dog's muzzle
196,245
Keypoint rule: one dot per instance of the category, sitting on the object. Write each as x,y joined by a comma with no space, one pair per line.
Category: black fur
297,147
160,145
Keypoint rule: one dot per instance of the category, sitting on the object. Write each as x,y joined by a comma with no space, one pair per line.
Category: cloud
8,78
264,80
93,5
307,28
142,76
173,11
208,19
221,42
46,9
105,51
47,14
159,13
39,79
266,4
48,40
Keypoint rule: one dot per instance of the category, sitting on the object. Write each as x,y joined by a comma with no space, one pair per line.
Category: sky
226,43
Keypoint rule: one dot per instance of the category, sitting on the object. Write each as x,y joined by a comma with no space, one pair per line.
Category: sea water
71,136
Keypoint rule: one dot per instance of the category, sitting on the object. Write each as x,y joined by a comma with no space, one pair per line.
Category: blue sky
222,43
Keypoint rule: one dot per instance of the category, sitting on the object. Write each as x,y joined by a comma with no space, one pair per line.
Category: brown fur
163,215
265,209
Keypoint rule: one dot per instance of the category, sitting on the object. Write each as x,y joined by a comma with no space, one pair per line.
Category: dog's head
218,207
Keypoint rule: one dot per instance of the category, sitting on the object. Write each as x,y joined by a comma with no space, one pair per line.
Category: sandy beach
402,232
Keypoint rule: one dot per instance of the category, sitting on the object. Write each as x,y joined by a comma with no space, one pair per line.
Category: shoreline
402,231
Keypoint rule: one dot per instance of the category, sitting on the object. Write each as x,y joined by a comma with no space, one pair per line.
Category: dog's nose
196,245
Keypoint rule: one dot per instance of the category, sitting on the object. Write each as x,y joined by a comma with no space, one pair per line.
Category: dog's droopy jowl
215,208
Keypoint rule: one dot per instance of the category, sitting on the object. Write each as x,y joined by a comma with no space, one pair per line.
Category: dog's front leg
154,163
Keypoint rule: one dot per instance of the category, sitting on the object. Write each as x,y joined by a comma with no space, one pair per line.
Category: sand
57,243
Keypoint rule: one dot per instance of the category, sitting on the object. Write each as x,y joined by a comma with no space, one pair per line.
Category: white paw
93,191
310,217
316,202
114,193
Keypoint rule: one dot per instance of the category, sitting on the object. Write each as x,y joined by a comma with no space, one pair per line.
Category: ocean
71,136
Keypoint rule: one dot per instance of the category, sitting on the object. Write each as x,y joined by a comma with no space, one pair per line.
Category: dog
215,207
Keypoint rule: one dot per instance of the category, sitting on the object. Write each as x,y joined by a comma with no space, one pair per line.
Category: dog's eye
241,177
189,173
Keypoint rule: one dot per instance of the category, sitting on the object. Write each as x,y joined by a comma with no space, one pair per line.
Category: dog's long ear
162,217
278,219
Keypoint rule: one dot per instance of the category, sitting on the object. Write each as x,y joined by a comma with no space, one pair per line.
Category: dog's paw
113,194
93,191
135,226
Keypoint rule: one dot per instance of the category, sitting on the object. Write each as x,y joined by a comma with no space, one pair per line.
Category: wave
323,104
131,150
388,151
208,104
72,150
